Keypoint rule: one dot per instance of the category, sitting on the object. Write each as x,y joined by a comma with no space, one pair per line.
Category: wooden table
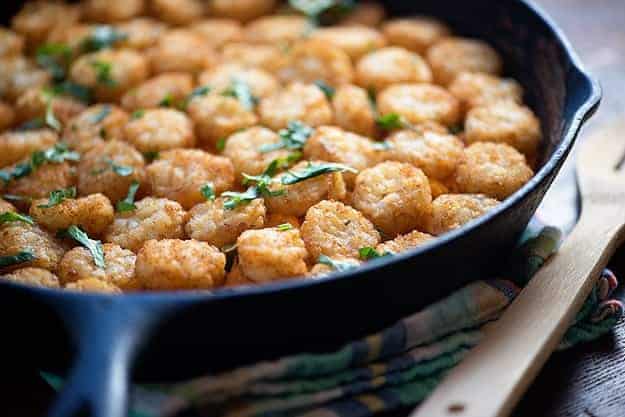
586,381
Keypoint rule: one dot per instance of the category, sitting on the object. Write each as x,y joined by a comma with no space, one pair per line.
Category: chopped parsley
102,37
11,216
151,155
293,137
17,198
70,88
208,191
235,199
393,121
327,89
55,58
455,129
284,227
104,73
313,170
167,101
121,170
50,119
128,203
324,12
94,246
198,92
240,90
137,114
101,115
336,264
367,253
57,154
19,258
221,144
57,196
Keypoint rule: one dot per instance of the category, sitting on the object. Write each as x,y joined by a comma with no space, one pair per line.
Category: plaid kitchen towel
396,367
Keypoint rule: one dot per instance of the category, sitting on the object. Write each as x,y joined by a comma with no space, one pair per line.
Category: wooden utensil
491,379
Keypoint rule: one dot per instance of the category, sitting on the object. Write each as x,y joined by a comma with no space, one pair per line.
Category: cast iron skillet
191,334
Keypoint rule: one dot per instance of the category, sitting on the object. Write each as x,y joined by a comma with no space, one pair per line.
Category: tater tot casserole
151,145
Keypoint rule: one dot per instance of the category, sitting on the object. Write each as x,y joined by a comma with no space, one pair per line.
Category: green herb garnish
57,196
240,90
20,258
284,227
167,101
104,73
323,12
313,170
368,253
235,199
55,58
393,121
102,37
11,216
198,92
455,129
337,265
94,246
151,155
57,154
128,203
17,198
327,89
208,191
293,137
78,91
137,114
50,119
101,115
221,144
121,170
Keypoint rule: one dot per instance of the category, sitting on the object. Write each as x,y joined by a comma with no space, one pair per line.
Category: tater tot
303,102
141,32
37,18
451,56
160,130
418,103
216,116
211,222
494,169
173,264
404,242
366,13
277,219
181,50
35,277
451,211
333,229
33,103
276,29
178,12
154,218
243,10
476,89
93,285
109,11
98,123
299,197
7,116
6,206
18,74
21,237
260,82
92,213
435,153
313,60
172,86
329,143
110,73
43,180
353,110
263,56
438,188
270,254
119,270
244,150
180,174
217,32
416,33
110,169
504,122
17,145
10,43
391,65
355,41
395,196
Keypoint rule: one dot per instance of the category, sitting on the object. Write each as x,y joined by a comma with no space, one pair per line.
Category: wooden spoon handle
491,379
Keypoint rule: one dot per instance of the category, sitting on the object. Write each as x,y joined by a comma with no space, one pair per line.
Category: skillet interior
235,327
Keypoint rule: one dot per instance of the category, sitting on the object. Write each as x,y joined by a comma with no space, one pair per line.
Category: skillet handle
107,334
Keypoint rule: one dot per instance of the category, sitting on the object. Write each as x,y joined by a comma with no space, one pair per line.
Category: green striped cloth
393,368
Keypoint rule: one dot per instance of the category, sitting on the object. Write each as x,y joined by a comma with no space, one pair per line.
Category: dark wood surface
588,380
